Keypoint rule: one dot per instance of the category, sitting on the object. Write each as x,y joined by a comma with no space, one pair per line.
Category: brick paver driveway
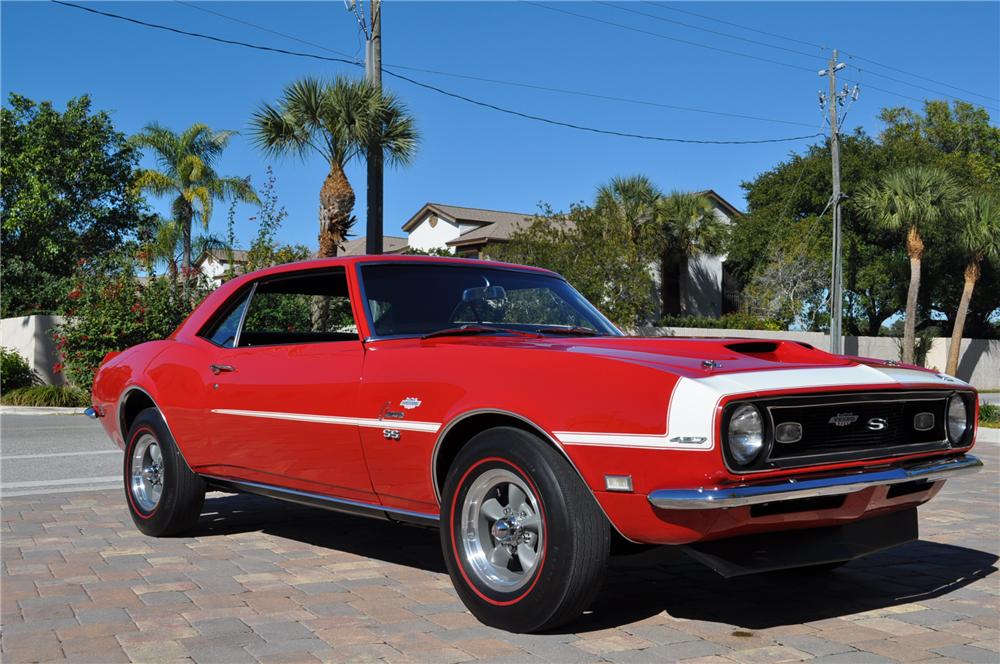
263,580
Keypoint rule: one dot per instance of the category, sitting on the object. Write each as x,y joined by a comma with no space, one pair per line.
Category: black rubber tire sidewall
183,491
576,540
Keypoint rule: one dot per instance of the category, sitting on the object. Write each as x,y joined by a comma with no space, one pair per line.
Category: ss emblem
877,424
390,434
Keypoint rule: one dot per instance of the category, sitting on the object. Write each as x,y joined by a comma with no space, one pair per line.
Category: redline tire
180,492
551,545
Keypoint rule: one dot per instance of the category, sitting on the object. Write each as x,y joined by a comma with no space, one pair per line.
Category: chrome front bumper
793,489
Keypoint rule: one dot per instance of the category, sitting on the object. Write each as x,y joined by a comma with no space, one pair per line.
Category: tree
688,228
188,176
589,249
912,199
979,238
67,196
337,120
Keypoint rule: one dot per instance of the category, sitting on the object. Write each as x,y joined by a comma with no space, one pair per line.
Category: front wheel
164,495
524,540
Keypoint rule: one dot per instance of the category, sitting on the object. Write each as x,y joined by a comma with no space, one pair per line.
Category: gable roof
390,245
456,214
727,207
500,230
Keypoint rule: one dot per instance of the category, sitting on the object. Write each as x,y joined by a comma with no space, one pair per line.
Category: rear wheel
164,495
525,542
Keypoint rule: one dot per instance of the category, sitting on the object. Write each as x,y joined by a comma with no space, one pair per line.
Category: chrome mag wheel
146,481
502,530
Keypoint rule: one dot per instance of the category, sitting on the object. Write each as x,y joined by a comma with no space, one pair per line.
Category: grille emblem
843,419
877,423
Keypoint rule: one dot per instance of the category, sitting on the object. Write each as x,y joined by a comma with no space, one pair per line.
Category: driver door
283,389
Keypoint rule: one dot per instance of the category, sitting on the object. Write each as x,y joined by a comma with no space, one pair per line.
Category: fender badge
409,403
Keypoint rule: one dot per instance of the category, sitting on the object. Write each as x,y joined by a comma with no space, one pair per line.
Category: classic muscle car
495,403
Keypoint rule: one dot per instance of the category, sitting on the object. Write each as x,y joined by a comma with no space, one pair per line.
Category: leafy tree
265,250
980,240
911,200
338,120
67,196
188,176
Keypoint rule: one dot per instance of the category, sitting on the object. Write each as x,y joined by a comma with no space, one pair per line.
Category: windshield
410,299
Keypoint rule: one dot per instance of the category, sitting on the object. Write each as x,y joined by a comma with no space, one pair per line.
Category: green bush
989,414
736,321
14,371
111,309
59,396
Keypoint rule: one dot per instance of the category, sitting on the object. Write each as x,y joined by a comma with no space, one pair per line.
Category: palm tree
631,203
912,200
979,240
690,228
187,174
338,120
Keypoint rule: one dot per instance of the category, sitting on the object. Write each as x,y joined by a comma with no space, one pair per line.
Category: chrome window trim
704,498
243,316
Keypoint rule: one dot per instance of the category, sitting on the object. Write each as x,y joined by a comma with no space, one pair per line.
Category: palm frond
155,182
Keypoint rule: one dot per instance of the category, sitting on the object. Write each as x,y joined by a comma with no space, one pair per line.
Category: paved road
263,581
44,454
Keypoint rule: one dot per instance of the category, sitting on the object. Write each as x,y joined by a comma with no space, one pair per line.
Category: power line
735,25
521,84
847,53
260,27
663,36
454,95
920,87
708,30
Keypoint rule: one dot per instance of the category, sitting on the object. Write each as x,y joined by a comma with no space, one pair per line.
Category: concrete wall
979,362
31,336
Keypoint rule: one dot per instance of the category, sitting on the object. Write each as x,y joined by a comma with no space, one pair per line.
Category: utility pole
373,74
836,279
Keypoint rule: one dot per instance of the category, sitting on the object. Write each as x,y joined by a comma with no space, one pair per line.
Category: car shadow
645,584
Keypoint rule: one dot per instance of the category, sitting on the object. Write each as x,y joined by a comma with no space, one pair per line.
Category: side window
304,308
223,331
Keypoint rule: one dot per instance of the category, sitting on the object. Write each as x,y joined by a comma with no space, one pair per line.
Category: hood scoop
774,351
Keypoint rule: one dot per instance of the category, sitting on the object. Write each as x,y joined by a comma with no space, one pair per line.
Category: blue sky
478,157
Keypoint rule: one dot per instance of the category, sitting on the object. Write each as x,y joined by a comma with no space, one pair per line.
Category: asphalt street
43,454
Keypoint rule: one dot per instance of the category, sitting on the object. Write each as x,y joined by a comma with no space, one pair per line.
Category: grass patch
989,415
52,396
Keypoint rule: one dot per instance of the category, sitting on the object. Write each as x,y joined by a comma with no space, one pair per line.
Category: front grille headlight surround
958,421
746,435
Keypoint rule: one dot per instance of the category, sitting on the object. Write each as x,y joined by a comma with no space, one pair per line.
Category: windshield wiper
469,330
575,330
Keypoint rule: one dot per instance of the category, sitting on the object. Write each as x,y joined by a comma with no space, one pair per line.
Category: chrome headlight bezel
958,427
744,453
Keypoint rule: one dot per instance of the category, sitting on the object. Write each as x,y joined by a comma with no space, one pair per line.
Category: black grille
832,428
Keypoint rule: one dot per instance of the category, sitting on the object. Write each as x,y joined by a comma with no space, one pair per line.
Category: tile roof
390,245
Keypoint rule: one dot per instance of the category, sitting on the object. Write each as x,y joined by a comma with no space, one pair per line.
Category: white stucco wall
31,336
433,232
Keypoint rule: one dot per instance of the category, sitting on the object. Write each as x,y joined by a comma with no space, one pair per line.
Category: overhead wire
454,95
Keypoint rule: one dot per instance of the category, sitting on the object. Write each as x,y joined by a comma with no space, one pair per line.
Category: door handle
219,368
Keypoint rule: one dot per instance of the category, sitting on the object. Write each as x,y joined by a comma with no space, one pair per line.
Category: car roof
345,261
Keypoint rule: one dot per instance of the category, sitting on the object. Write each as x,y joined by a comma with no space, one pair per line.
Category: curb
988,435
39,410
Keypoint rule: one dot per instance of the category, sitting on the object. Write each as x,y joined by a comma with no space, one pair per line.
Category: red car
495,402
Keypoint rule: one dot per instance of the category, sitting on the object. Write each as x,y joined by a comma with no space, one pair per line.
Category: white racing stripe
402,425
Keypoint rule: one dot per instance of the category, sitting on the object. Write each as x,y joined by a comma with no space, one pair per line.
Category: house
464,231
707,289
215,263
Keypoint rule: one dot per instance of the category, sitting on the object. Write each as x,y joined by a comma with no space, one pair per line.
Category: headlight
746,434
958,419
